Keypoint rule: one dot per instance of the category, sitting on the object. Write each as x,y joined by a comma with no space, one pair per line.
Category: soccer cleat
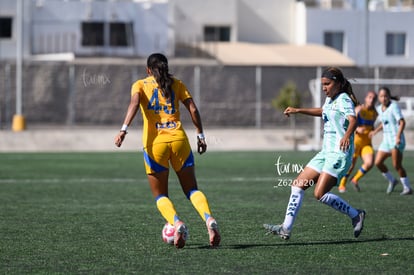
391,186
342,189
277,229
356,186
213,232
180,235
358,223
407,191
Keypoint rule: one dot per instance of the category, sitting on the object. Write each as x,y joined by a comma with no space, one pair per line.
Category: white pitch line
129,180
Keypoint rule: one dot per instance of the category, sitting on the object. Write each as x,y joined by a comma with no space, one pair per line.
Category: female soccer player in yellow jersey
366,116
165,142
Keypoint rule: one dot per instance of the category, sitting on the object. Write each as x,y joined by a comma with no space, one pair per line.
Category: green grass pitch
92,213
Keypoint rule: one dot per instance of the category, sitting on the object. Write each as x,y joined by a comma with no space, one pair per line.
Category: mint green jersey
335,114
390,119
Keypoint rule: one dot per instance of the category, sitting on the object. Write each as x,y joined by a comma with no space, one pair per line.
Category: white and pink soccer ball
168,233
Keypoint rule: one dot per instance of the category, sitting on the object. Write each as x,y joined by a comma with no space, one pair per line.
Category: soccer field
93,213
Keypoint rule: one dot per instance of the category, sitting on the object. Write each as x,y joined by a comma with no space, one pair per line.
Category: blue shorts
333,163
158,156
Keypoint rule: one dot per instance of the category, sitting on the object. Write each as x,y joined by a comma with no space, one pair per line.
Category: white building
87,28
379,36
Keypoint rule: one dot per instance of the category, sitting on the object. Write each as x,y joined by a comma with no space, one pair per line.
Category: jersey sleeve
396,112
183,92
137,87
348,106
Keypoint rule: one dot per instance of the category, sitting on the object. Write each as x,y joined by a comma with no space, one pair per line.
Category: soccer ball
168,233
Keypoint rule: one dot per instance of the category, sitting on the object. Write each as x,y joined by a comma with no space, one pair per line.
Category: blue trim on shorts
153,165
189,162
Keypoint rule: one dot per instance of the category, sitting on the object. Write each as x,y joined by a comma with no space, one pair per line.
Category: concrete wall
98,94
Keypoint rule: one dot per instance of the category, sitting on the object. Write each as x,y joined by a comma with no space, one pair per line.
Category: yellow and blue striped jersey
366,117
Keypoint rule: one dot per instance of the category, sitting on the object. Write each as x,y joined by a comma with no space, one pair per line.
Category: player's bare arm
375,131
401,126
196,118
131,112
305,111
344,143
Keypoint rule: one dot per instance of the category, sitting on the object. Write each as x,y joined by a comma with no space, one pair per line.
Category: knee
318,195
378,163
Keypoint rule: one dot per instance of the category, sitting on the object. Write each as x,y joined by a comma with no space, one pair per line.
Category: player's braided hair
158,64
336,75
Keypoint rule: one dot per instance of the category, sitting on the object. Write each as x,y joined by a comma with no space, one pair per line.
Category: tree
288,96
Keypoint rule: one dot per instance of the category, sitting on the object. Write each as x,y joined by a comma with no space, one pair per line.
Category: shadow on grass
332,242
290,243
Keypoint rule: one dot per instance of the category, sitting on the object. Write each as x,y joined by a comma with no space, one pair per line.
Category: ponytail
158,64
347,87
388,92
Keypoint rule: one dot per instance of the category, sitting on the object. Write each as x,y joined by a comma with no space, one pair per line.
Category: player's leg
397,156
380,158
367,156
182,160
322,193
344,179
304,180
335,165
156,166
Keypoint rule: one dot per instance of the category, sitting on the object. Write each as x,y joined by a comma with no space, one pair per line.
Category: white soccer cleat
358,223
180,235
213,232
277,229
391,186
407,191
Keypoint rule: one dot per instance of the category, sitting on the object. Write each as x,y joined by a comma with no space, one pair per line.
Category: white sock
295,202
406,182
339,204
388,176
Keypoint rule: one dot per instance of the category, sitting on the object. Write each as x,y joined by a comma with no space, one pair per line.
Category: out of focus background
66,66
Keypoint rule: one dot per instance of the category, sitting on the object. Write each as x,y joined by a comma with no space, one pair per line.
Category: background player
366,116
165,142
393,141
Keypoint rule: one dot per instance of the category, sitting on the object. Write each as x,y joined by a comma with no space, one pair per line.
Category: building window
92,33
334,40
216,33
6,27
120,34
395,44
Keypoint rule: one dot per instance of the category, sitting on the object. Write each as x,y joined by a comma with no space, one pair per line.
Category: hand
120,138
201,145
397,141
371,134
290,110
344,144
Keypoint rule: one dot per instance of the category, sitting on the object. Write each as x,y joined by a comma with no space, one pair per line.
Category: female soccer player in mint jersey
165,142
328,166
393,142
